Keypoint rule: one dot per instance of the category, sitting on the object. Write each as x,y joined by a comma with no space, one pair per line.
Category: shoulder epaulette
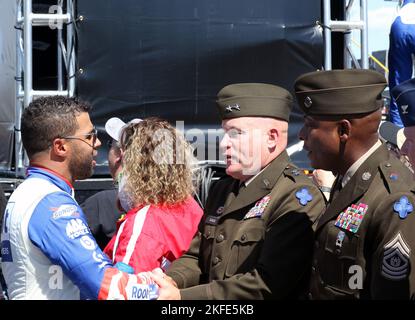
396,176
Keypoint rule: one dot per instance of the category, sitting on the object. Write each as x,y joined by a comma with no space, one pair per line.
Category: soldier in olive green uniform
256,238
365,238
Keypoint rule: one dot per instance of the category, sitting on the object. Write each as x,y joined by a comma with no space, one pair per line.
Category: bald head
269,126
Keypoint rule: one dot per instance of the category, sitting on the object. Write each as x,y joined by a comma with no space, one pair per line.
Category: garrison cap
254,100
340,92
404,95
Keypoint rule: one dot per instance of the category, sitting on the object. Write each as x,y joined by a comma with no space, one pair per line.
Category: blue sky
380,17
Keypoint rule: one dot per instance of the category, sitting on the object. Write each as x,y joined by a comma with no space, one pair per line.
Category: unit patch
403,207
303,196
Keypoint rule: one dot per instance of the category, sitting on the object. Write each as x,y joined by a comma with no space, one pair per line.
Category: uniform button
316,244
220,238
310,296
388,165
322,283
216,260
243,238
313,268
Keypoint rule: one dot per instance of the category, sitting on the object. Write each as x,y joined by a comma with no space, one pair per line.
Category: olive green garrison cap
254,100
340,92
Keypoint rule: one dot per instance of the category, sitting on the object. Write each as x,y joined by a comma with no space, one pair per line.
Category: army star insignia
403,207
303,196
233,107
396,255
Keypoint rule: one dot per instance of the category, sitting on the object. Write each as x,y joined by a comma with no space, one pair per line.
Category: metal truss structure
346,27
26,20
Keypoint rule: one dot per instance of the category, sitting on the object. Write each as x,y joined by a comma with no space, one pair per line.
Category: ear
273,135
60,147
118,156
344,128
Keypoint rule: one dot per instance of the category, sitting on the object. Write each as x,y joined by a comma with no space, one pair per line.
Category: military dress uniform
256,244
254,241
365,238
377,245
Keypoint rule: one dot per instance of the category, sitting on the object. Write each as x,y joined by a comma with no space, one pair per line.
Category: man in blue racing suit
48,251
401,50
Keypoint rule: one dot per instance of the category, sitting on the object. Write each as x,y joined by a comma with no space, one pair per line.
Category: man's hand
167,286
323,178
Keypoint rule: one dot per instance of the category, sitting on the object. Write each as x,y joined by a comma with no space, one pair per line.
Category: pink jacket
154,236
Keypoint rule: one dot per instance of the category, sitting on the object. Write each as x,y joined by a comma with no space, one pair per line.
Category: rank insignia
396,253
351,219
403,207
303,196
257,210
234,107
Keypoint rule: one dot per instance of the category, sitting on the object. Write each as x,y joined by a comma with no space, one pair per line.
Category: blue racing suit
401,49
48,251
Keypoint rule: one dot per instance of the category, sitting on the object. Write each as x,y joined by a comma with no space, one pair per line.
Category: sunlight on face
244,146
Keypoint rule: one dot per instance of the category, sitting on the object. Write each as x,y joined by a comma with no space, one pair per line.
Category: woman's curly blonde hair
158,163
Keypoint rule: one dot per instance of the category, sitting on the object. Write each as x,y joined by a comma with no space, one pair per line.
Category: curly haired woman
158,184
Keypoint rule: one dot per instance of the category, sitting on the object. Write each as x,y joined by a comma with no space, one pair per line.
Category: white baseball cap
114,127
392,133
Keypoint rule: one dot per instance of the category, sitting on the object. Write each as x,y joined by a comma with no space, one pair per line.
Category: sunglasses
90,136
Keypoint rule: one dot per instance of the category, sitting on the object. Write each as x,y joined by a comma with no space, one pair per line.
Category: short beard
80,166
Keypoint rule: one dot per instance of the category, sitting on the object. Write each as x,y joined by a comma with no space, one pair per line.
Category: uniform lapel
232,193
336,188
356,187
260,186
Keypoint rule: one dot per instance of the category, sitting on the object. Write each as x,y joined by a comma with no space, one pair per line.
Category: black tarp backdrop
169,58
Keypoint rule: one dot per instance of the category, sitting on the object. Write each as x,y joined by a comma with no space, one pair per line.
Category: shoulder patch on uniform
303,196
396,253
403,207
65,210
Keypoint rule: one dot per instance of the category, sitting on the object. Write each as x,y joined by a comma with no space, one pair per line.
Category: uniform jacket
153,236
256,244
369,253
